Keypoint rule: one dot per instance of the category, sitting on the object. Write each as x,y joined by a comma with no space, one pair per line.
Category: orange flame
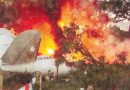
48,45
81,15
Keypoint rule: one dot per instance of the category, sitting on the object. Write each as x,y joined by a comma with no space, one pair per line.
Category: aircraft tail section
23,49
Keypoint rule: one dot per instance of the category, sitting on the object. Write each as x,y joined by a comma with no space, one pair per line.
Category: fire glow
48,45
85,13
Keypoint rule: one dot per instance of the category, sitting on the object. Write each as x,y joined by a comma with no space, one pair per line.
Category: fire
66,15
84,14
48,45
50,51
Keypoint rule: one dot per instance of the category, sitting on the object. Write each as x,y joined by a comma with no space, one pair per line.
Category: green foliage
59,60
101,77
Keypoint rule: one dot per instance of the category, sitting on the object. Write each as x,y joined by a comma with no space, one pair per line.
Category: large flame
48,45
82,12
32,16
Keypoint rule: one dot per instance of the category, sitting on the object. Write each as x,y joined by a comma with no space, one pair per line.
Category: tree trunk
57,70
1,80
88,55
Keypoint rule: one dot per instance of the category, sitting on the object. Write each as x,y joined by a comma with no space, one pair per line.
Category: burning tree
72,48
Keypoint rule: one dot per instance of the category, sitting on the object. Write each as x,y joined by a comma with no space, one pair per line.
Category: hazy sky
123,25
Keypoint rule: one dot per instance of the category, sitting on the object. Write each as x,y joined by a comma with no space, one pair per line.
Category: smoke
109,46
24,14
52,9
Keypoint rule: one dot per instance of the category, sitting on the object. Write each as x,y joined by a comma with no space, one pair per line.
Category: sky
123,25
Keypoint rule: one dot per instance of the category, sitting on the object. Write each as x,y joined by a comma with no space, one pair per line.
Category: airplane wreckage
19,54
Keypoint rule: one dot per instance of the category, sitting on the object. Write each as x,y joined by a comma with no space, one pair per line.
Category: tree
58,61
121,8
122,57
72,46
